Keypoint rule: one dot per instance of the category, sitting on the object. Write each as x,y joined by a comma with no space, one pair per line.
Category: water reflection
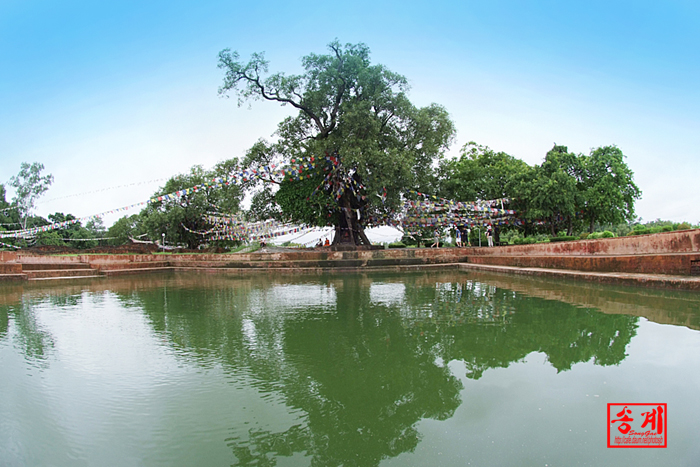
362,358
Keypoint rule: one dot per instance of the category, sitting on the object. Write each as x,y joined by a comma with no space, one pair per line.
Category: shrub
562,238
607,234
667,228
397,245
682,226
583,236
524,241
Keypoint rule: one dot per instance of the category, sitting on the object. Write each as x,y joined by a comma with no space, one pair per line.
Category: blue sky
125,93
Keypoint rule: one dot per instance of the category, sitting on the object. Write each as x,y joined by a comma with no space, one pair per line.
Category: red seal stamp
635,425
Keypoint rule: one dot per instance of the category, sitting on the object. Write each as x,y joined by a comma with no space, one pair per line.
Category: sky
116,97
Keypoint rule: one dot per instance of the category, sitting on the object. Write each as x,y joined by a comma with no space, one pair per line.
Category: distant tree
29,185
123,230
609,188
50,238
74,234
82,238
263,205
9,217
355,111
96,227
480,173
556,192
180,218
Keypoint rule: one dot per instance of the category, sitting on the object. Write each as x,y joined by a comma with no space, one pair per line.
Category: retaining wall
683,241
670,253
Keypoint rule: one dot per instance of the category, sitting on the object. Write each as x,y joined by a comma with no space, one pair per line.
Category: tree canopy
561,193
183,218
354,110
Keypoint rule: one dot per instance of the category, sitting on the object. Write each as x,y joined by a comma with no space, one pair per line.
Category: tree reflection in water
363,370
364,358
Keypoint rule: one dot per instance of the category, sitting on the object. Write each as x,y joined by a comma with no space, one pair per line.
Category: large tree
556,190
481,173
610,191
358,113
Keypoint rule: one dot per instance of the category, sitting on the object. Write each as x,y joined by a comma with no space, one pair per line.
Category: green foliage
263,205
123,229
566,190
82,238
347,107
50,238
179,218
481,173
597,235
96,227
609,188
554,194
397,245
563,238
295,197
29,185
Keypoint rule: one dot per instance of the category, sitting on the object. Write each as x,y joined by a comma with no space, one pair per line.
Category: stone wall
683,241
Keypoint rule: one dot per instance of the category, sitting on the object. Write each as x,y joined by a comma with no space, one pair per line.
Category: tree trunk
552,226
349,230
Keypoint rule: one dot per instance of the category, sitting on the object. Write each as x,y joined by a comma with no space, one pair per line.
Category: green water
392,370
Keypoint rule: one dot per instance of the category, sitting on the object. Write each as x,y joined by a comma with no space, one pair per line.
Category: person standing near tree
489,234
458,237
436,243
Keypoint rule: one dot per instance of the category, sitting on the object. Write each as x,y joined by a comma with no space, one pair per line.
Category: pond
447,368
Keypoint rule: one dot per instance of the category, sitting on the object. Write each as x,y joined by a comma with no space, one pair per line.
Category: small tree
29,185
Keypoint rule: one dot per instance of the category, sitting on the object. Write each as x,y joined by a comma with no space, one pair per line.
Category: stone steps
299,264
13,277
73,273
52,266
138,270
10,268
116,266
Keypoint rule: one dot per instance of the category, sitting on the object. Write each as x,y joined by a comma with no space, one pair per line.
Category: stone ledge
646,280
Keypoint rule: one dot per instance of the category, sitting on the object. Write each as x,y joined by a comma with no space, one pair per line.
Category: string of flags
419,210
